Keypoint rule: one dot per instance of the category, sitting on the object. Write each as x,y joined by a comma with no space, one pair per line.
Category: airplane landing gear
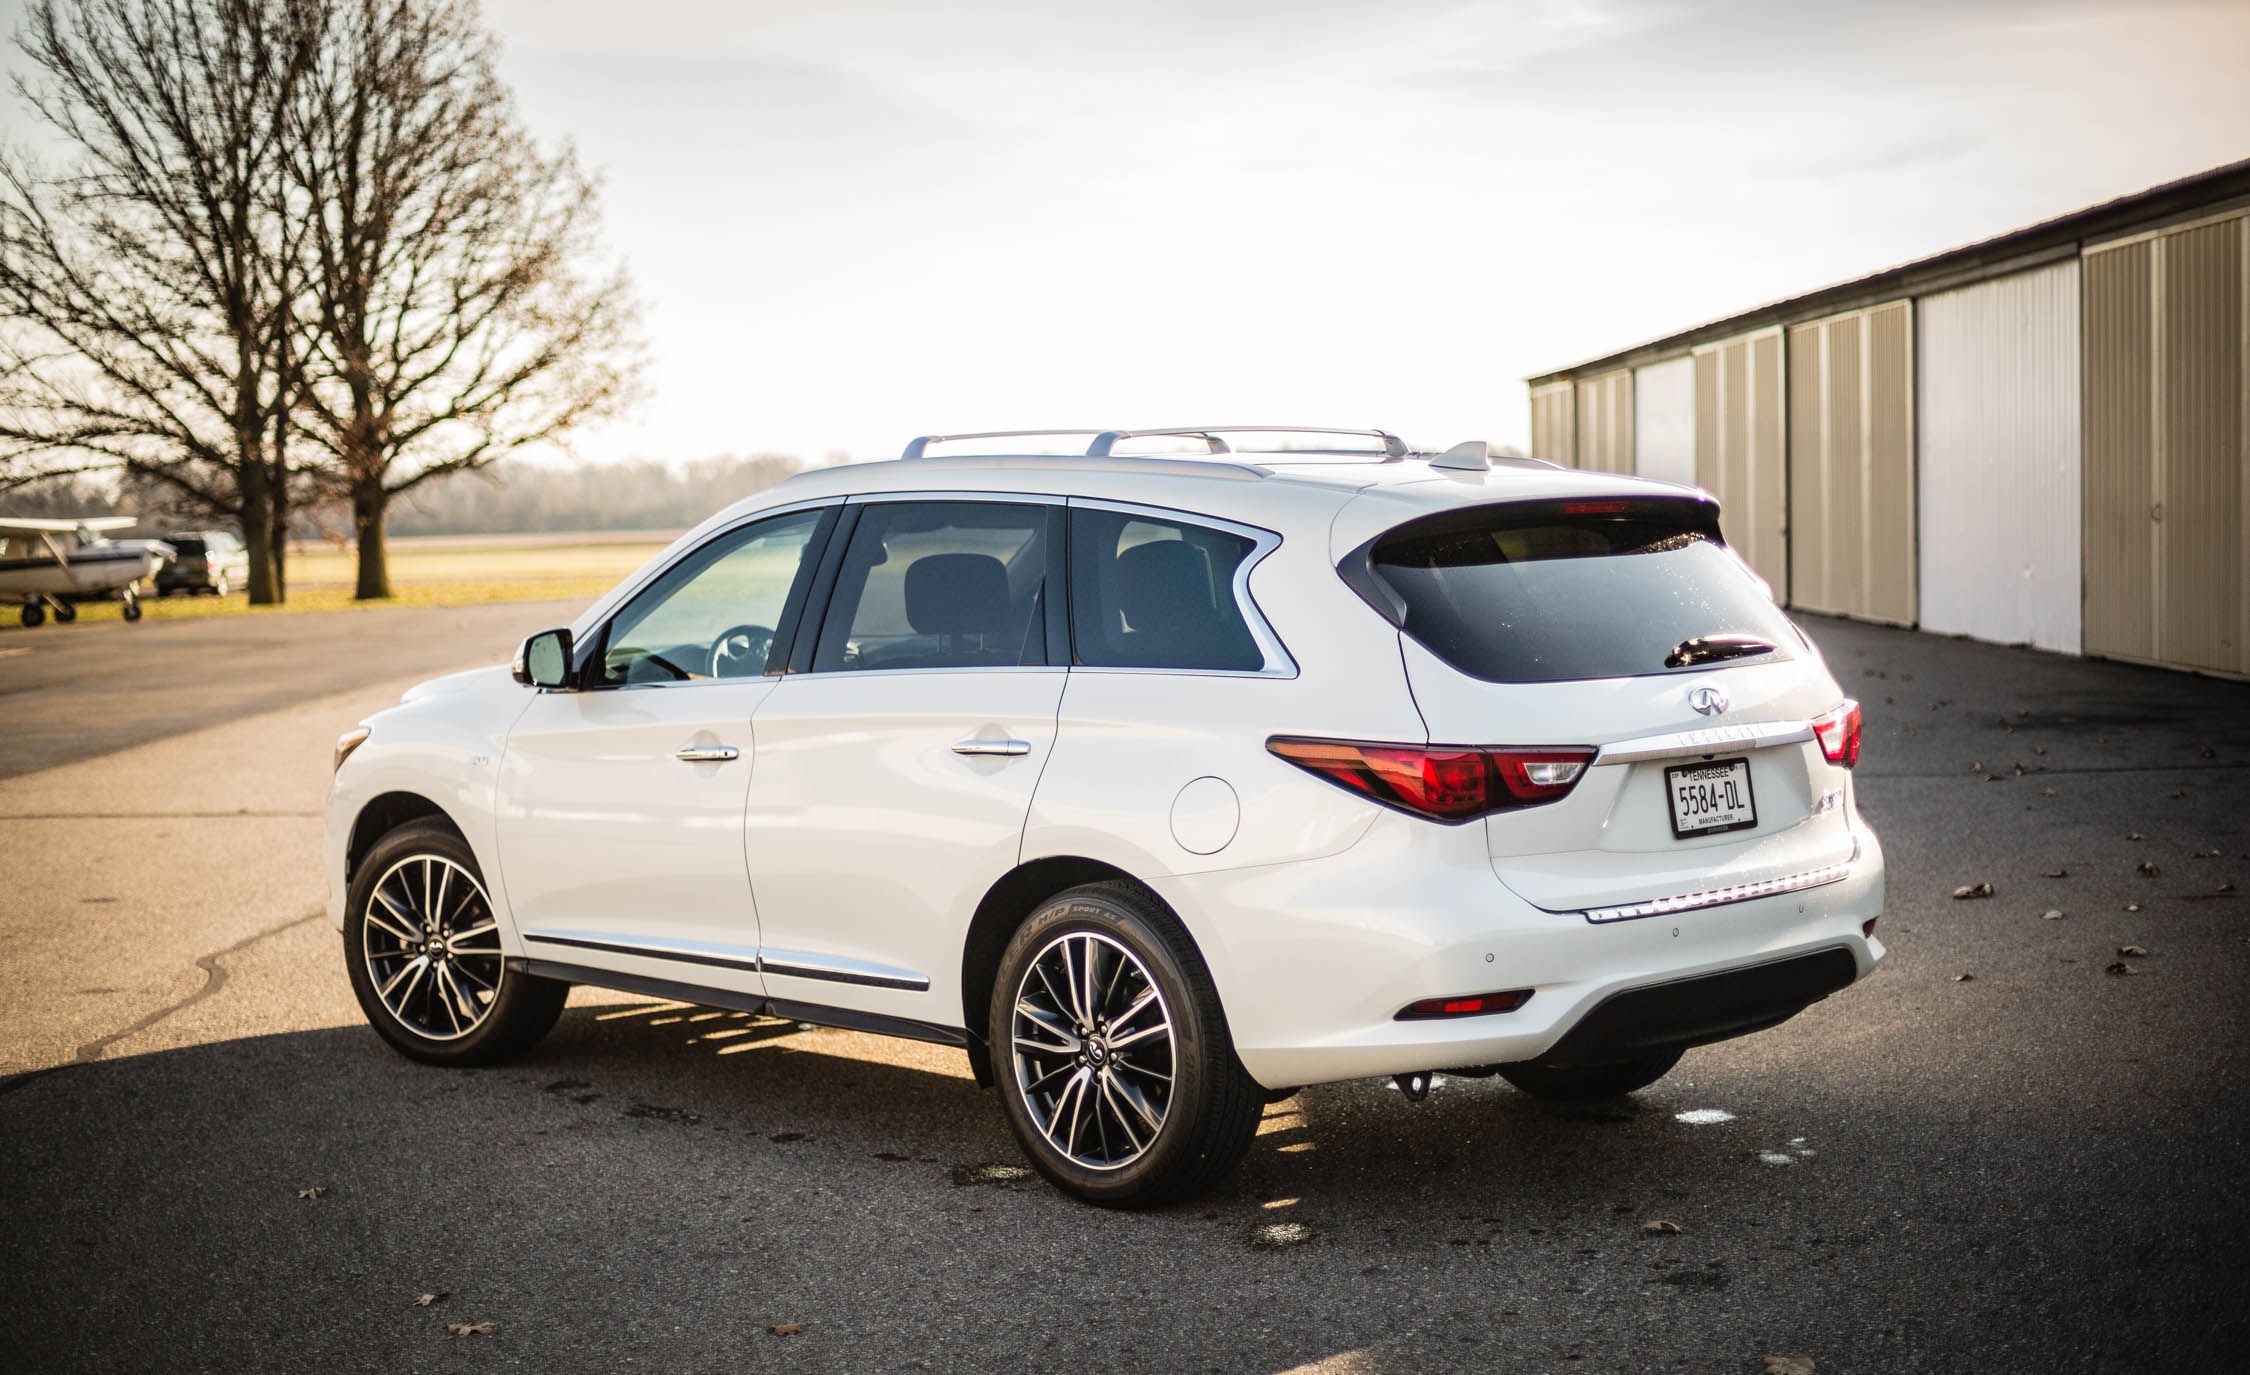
65,612
33,614
132,605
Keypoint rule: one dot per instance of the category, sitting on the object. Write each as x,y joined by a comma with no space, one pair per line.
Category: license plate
1710,798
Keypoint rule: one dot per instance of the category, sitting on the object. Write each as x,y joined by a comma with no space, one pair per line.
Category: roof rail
1393,446
920,443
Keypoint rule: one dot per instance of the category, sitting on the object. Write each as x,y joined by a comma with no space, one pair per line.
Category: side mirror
543,661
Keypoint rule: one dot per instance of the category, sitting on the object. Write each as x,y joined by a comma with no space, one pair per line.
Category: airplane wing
28,525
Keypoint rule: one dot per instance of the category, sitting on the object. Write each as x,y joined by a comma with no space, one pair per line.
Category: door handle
707,754
1010,748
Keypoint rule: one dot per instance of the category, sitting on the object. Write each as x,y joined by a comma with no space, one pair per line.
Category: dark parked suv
209,561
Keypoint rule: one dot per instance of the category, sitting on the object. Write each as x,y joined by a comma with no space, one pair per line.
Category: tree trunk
257,535
368,501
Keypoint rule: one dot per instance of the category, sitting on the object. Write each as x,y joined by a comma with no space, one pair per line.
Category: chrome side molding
1688,744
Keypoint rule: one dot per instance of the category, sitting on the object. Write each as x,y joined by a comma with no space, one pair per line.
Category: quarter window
1146,592
712,614
940,584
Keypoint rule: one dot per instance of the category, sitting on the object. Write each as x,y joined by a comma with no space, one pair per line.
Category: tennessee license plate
1710,798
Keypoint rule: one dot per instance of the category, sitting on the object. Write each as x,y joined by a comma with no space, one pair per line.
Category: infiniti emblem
1708,700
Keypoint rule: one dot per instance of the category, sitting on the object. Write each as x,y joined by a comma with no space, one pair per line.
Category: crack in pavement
214,979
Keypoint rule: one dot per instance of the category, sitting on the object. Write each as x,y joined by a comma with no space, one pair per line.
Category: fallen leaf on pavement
2054,873
1662,1228
425,1300
2132,835
2132,907
1789,1365
2046,792
786,1329
2132,952
2051,914
1964,978
1973,890
469,1329
2120,968
2148,866
1977,767
316,1191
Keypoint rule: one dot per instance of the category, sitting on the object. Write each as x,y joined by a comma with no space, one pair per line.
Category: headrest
957,594
1164,584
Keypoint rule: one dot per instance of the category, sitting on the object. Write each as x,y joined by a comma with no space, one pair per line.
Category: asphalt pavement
2013,1148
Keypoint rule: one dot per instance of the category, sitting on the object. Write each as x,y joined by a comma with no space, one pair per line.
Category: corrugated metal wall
1554,424
1605,422
1664,420
1851,464
1740,423
2167,487
1997,458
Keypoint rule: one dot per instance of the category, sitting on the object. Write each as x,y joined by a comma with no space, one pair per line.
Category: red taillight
1838,732
1444,784
1475,1006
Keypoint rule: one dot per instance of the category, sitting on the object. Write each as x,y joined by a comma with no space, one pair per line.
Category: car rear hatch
1624,625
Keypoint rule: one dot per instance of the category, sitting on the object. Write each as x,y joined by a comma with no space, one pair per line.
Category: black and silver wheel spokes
432,947
1093,1050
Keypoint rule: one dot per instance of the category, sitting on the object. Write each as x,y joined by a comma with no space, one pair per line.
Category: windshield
1542,592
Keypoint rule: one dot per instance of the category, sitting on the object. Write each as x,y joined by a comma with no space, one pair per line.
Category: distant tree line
508,497
300,257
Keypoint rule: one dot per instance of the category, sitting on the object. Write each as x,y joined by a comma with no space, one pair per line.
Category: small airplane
49,563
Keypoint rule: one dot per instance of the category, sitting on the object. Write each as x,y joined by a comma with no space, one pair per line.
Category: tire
33,615
474,1010
132,607
1206,1113
65,613
1588,1083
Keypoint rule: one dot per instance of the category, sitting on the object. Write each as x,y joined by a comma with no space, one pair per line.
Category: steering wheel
740,651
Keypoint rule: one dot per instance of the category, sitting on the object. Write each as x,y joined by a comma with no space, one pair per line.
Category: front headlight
347,742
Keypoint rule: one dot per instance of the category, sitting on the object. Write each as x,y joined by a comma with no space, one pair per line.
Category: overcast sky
855,221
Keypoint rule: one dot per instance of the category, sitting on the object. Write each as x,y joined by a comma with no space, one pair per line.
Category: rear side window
940,584
1539,592
1146,592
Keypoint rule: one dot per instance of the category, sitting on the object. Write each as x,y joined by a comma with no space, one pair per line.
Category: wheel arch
1017,895
385,813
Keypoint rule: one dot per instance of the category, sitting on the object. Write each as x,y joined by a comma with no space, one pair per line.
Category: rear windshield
1542,592
184,546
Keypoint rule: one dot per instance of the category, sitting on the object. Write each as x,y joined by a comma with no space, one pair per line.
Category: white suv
1160,785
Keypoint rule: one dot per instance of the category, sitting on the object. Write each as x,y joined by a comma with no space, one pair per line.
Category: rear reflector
1475,1005
1838,732
1443,783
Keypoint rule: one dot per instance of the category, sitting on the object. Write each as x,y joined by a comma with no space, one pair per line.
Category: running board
844,1018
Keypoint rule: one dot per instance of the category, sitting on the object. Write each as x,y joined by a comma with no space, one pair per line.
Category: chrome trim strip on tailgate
1688,744
1720,897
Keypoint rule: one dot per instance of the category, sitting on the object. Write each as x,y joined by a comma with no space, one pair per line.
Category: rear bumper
1314,960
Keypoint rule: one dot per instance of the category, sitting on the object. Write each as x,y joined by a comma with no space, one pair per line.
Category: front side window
1146,592
939,584
714,613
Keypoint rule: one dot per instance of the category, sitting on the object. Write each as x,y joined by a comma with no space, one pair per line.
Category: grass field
450,570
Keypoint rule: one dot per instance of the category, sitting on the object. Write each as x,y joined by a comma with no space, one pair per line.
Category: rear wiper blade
1708,649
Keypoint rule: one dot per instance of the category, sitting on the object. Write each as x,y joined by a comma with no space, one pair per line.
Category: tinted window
185,547
939,584
1541,592
1152,593
712,614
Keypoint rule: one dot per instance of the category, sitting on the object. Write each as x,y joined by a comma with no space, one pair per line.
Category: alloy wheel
432,947
1093,1050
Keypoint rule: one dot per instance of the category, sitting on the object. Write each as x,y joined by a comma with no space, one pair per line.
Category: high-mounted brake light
1594,508
1443,783
1838,732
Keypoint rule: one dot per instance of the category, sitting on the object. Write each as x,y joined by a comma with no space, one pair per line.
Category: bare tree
460,309
145,285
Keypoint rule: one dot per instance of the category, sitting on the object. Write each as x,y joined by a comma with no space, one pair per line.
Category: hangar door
1997,429
1851,464
1554,425
2168,447
1605,422
1664,421
1740,423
